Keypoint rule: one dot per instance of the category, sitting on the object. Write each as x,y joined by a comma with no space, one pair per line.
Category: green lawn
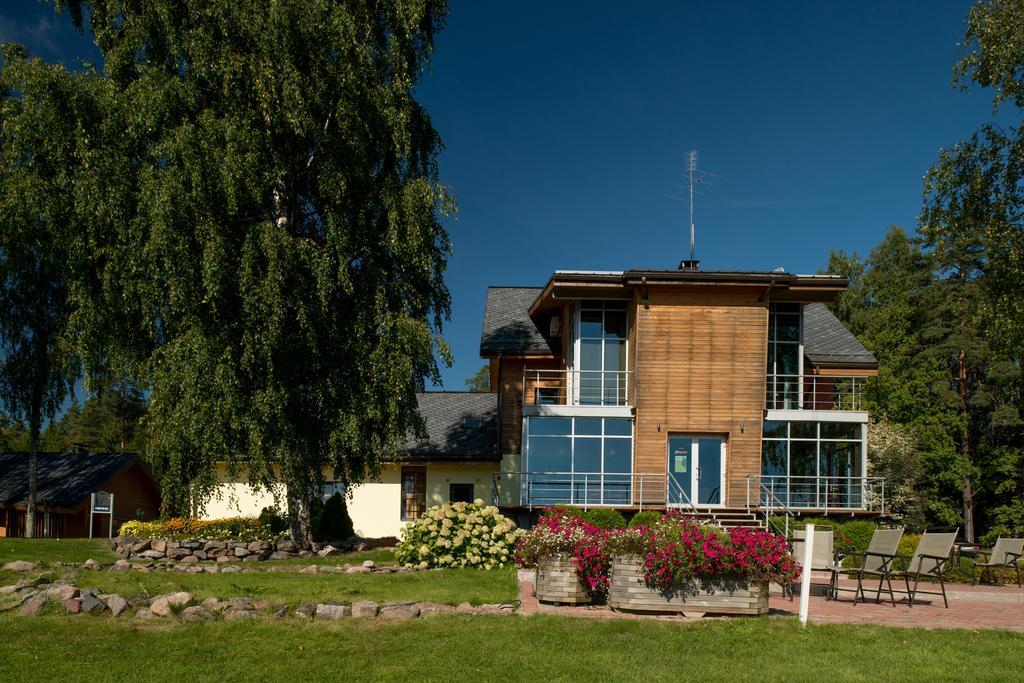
498,648
48,550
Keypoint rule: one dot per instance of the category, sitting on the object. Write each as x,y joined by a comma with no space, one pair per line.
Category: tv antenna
695,177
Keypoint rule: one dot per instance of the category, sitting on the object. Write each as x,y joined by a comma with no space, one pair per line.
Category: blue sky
566,126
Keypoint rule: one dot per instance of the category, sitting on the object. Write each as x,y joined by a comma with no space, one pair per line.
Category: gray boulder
364,608
116,604
162,605
334,612
21,566
400,610
197,613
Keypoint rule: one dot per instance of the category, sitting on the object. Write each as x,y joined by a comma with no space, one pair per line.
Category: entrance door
697,465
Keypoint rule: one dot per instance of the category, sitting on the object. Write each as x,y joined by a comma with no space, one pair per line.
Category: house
65,484
717,392
455,462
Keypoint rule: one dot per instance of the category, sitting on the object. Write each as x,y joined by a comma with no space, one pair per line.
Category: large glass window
784,355
814,464
601,366
578,461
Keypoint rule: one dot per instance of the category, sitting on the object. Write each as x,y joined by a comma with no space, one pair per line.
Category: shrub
855,536
645,518
271,518
459,535
329,521
226,529
604,518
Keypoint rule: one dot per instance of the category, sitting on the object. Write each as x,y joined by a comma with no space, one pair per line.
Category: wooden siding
699,358
511,398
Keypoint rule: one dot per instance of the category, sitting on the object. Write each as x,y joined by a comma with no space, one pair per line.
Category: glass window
556,426
775,430
588,426
550,454
803,430
615,325
616,427
840,430
591,323
773,458
617,455
587,457
414,492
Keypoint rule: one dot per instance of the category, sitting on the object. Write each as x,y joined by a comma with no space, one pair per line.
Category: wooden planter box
630,593
557,582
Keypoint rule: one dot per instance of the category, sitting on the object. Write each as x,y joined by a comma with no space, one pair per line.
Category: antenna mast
691,169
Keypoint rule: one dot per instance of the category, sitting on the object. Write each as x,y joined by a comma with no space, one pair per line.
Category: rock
143,613
197,613
280,555
178,553
191,545
281,612
364,608
331,569
224,558
116,604
121,565
238,614
8,589
369,564
152,554
159,546
400,610
358,570
256,557
211,569
431,608
189,559
239,603
21,566
213,604
91,604
241,552
311,569
230,569
200,554
161,606
91,564
214,545
141,545
331,611
305,553
306,610
72,605
464,607
385,570
61,593
286,546
33,607
327,551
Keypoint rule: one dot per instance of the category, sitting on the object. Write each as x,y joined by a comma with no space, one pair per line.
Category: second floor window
785,355
600,353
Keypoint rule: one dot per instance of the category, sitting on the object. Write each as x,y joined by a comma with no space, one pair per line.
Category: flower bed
459,535
666,564
226,529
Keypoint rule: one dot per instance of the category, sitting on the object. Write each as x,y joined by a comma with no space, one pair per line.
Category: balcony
607,388
587,489
826,494
814,392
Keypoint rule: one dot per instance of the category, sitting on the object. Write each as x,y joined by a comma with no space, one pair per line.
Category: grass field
48,550
498,648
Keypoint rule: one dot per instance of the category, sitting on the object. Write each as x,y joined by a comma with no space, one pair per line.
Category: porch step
726,517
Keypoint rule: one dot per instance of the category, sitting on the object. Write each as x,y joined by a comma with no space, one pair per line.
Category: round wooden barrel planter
629,593
557,581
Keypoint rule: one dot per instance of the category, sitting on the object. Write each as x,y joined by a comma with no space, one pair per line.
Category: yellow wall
375,507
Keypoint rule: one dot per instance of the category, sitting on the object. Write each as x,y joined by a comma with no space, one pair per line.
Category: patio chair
822,553
1005,554
930,560
875,561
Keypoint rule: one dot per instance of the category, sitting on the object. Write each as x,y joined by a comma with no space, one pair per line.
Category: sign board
101,501
679,460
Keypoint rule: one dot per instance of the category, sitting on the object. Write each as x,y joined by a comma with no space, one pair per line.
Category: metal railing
827,493
576,387
583,489
814,392
766,502
677,498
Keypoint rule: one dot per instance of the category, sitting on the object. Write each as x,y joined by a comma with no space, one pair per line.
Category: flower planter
630,593
557,581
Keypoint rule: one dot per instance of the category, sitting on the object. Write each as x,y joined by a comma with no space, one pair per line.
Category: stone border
31,596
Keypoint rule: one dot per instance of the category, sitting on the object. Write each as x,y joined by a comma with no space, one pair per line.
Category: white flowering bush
459,535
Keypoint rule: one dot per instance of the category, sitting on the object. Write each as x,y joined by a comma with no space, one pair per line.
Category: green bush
855,536
178,528
562,511
329,521
605,518
645,518
459,535
271,518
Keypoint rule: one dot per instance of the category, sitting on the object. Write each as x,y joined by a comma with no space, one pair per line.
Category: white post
110,525
92,506
805,580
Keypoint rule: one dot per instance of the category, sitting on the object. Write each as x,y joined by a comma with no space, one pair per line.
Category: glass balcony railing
814,392
576,387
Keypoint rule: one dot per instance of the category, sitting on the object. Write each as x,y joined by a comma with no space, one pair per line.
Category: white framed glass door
696,462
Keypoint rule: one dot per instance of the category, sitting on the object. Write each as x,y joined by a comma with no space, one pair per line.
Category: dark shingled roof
65,479
508,327
449,437
827,341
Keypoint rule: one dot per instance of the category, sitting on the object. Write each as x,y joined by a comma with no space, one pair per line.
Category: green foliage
644,518
329,520
271,518
854,536
459,535
177,528
604,518
480,381
13,435
894,456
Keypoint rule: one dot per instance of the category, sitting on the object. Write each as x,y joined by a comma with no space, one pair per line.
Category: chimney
689,265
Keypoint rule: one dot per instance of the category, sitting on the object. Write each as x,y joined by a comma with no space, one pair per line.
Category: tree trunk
33,470
298,514
965,447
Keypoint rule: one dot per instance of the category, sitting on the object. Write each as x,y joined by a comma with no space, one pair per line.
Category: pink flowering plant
562,532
